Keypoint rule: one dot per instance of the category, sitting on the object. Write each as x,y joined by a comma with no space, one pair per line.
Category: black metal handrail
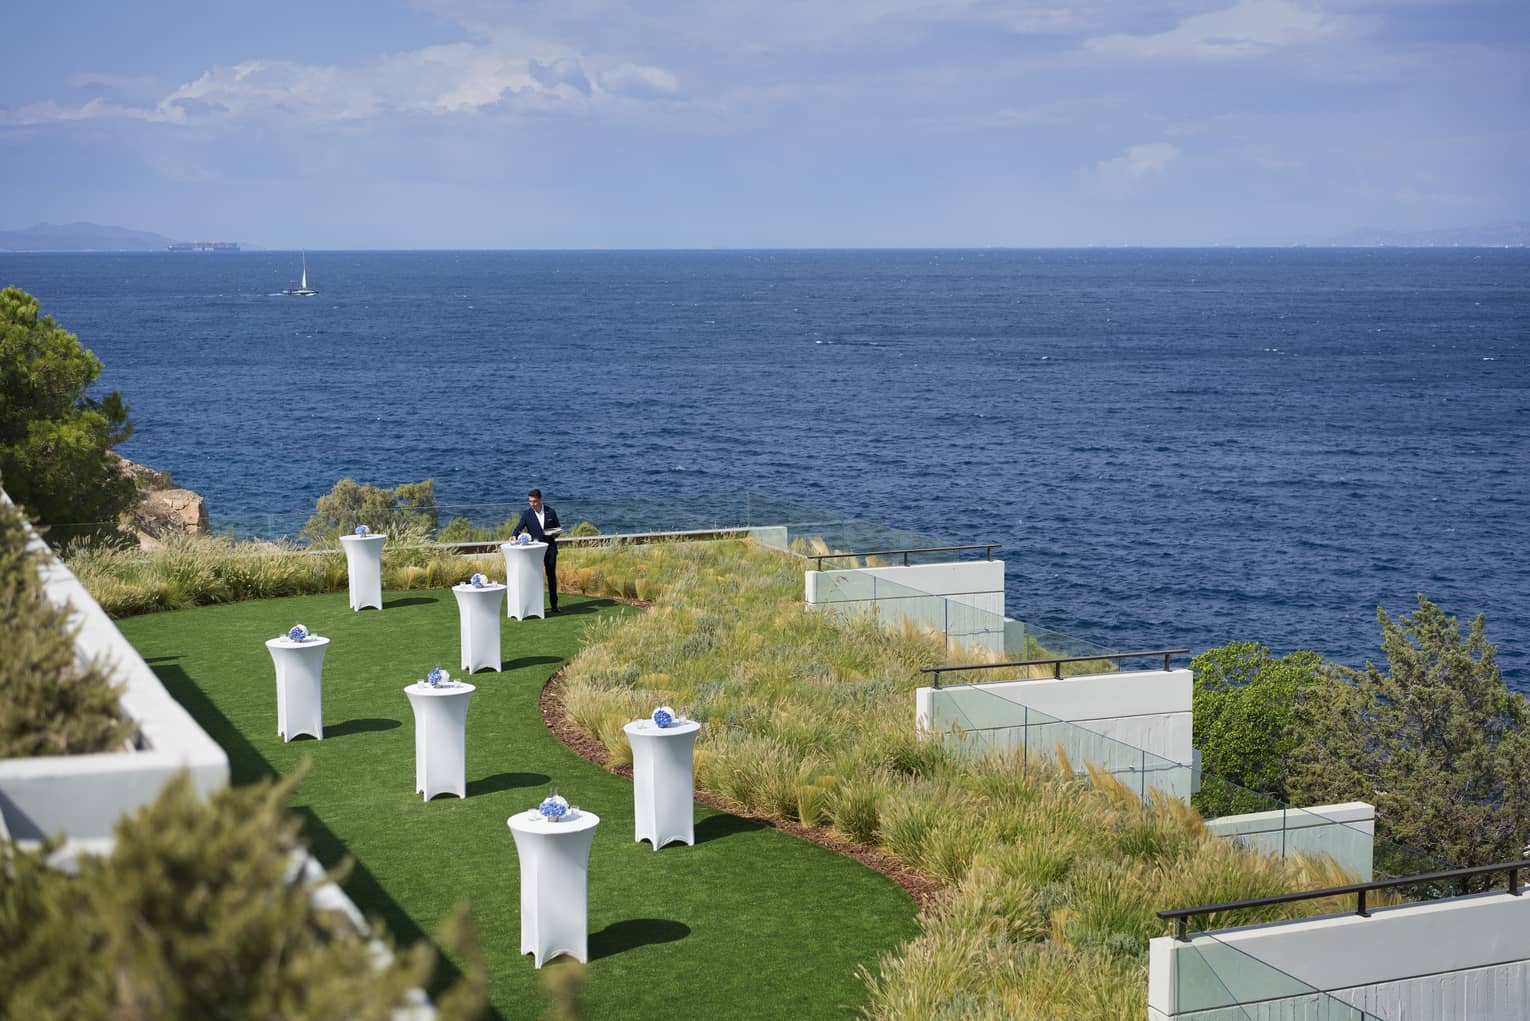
986,547
1056,663
1182,916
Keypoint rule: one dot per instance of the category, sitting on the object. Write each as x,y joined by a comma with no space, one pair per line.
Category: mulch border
923,888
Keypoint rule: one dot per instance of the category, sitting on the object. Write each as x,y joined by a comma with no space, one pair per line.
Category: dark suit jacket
528,523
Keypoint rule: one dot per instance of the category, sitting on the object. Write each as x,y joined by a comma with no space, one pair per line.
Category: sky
364,124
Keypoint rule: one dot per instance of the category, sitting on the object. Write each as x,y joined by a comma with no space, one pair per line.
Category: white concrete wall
1465,959
83,795
1345,832
963,599
1136,711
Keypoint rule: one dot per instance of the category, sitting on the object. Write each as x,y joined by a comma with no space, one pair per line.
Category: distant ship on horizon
203,246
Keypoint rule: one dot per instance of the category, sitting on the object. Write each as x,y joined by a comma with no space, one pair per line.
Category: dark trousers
550,568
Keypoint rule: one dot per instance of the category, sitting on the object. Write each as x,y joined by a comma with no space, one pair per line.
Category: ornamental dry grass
1052,879
197,570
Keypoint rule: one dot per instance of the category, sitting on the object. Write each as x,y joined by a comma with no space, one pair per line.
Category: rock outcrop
163,510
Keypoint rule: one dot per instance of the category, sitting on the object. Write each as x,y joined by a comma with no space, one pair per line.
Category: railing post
1025,741
905,558
1166,662
1360,904
1514,882
1057,669
1182,926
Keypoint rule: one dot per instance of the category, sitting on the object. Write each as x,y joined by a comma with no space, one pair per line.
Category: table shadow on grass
716,827
631,933
529,661
506,782
389,604
361,725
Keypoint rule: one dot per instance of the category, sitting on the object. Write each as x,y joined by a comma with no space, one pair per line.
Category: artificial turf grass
750,922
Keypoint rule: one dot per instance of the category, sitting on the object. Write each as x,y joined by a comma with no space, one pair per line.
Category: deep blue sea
1175,448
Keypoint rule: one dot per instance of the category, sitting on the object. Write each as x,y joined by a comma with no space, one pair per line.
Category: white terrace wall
1149,710
1351,843
1465,959
964,599
82,796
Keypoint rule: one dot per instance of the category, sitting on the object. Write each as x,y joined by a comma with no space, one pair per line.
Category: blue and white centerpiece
363,531
479,581
524,539
438,677
553,808
299,633
663,717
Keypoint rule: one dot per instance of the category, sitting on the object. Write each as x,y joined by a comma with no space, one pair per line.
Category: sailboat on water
302,289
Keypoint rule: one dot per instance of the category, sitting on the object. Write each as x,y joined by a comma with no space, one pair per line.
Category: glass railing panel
1215,981
984,719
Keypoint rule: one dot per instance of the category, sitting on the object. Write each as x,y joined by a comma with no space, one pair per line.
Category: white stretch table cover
479,612
363,566
299,686
663,798
523,579
555,871
440,737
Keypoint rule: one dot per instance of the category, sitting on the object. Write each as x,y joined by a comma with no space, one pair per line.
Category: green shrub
410,506
49,703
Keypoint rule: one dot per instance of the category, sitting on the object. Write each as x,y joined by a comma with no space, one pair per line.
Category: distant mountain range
81,237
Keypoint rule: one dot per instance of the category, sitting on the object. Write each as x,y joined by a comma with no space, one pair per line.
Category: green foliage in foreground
49,703
55,441
408,508
1436,741
1053,882
194,915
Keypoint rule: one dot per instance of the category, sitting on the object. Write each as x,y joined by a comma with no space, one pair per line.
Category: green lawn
748,923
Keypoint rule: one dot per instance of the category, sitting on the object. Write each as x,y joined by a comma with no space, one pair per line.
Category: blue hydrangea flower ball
362,529
663,717
298,633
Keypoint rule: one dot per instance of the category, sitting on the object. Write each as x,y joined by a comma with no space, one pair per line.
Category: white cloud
1124,174
639,82
455,78
1248,29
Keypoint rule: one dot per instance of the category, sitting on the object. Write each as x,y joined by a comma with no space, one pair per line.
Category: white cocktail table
299,685
555,871
663,789
478,609
523,579
440,737
363,566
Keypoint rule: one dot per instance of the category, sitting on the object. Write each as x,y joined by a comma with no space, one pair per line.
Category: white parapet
1345,832
1131,712
963,599
82,796
1464,959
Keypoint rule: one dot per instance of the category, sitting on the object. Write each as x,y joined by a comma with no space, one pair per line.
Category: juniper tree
1436,741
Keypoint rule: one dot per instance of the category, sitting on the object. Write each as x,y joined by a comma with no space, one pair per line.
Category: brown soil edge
923,888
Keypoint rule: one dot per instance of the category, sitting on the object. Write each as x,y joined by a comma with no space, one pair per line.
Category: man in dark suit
542,523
